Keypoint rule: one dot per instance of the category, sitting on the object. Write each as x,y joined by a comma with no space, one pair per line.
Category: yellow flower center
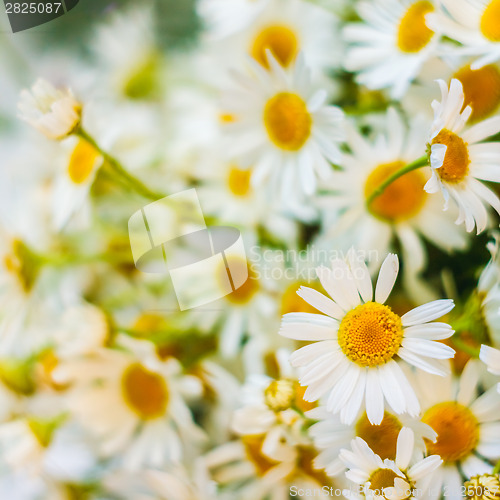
280,40
384,478
238,181
370,334
279,394
413,33
237,268
82,162
283,394
253,449
144,391
287,120
401,199
382,439
457,429
485,487
481,90
456,161
490,21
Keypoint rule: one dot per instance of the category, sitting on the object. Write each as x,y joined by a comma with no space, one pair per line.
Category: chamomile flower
467,426
391,44
402,478
243,466
402,213
286,28
475,24
330,436
138,409
358,339
274,408
283,129
54,112
460,160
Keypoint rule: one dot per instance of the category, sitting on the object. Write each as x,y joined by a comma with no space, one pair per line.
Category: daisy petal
386,278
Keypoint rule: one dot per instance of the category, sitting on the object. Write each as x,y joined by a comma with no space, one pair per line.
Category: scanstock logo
24,15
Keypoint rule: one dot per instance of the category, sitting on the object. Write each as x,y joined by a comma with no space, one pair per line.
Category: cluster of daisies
343,139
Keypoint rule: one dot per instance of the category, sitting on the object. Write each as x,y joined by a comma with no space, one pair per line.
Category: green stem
496,469
118,168
421,162
471,351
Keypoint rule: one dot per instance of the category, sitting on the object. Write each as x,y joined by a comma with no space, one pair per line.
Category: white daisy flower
358,339
285,28
460,160
475,24
54,112
330,435
274,408
398,479
391,45
244,465
467,427
491,358
402,213
138,409
282,128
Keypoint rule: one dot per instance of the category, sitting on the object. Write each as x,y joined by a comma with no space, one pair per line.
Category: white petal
320,302
386,278
427,312
374,397
404,447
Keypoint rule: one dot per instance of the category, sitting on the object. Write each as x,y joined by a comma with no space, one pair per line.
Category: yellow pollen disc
280,40
287,120
490,21
144,391
238,181
82,162
383,478
283,394
279,394
481,90
237,269
457,429
227,118
381,438
485,487
253,449
401,199
370,334
413,33
456,161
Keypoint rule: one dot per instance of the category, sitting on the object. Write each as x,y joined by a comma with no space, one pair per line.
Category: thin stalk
421,162
134,183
